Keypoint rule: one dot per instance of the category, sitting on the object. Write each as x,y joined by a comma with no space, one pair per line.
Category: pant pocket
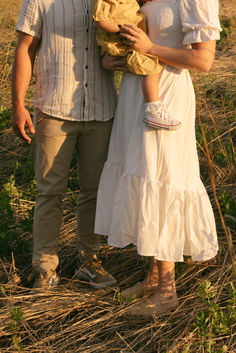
40,116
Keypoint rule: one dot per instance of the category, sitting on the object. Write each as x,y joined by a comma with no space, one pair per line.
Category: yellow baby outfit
123,12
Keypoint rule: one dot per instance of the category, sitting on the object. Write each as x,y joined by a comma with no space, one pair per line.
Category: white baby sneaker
157,116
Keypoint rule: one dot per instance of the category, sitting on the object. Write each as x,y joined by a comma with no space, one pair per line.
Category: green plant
10,227
5,118
214,321
226,29
227,203
118,79
6,211
16,315
122,300
3,291
228,206
24,170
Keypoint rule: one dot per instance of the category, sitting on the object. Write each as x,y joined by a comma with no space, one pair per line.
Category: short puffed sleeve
30,19
200,20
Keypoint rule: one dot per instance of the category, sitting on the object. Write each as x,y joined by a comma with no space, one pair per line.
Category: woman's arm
200,56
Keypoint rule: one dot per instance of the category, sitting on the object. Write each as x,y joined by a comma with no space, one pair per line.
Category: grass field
77,319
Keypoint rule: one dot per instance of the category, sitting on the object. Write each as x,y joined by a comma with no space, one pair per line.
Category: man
74,105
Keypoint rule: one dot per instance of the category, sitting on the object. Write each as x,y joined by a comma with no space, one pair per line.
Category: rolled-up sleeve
200,20
30,19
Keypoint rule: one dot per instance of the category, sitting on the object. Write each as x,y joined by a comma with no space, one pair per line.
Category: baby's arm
107,26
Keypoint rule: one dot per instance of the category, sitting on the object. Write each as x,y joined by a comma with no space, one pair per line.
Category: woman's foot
147,308
140,289
146,287
158,304
164,300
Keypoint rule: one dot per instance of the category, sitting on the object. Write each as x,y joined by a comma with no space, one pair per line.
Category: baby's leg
150,88
156,114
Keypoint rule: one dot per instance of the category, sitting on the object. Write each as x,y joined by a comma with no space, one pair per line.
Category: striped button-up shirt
71,83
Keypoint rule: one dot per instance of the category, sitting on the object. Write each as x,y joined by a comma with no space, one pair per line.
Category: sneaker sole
162,126
83,277
52,285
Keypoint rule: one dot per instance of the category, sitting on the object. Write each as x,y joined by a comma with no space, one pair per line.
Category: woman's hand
114,63
136,38
199,57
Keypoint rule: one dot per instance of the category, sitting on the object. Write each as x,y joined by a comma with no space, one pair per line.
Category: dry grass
77,319
80,320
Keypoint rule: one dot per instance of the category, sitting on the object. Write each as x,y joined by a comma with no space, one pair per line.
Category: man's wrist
17,105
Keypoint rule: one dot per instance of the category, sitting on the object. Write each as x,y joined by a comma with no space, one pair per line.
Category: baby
108,15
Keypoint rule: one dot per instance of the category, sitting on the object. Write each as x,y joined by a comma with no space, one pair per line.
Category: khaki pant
56,140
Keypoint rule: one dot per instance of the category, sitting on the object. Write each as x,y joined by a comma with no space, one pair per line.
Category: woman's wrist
152,49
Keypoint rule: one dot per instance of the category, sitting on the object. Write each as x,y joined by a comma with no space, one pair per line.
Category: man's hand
20,119
114,63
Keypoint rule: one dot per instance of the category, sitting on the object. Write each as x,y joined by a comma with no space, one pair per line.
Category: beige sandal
146,308
137,291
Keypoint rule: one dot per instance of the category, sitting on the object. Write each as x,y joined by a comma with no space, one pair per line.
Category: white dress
150,193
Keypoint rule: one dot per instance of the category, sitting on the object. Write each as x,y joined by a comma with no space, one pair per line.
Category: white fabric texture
71,83
200,21
150,192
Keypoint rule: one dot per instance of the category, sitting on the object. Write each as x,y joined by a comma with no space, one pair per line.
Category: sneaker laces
96,264
163,112
45,275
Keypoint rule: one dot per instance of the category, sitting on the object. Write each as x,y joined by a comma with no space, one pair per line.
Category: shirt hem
28,31
58,116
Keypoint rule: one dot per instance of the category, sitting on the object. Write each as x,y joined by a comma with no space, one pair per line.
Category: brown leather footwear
138,291
146,308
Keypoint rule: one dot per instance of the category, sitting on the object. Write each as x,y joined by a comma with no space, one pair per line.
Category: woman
150,192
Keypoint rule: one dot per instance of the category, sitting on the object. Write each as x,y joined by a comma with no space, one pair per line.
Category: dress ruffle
201,35
147,213
200,20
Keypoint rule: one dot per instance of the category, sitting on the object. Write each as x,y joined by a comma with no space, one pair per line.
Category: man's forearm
22,69
21,75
